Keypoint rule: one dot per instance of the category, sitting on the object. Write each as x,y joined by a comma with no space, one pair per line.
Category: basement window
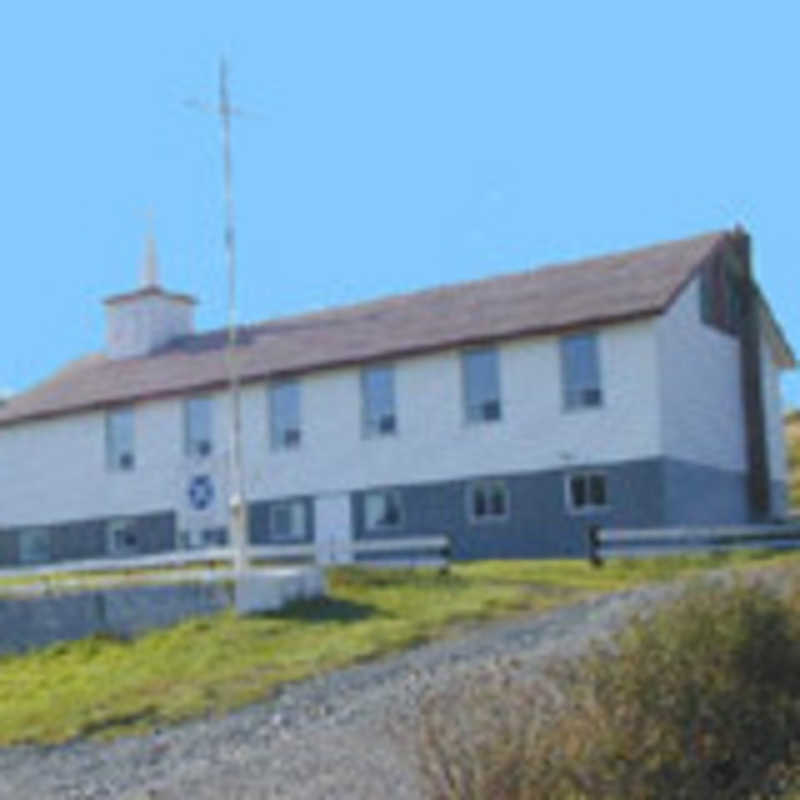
122,538
287,520
34,546
586,491
488,501
383,510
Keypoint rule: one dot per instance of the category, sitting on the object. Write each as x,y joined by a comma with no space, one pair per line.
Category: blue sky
396,146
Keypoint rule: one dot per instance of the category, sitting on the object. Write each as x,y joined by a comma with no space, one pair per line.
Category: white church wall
700,388
55,470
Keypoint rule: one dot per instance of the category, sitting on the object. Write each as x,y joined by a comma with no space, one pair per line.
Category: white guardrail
605,543
410,551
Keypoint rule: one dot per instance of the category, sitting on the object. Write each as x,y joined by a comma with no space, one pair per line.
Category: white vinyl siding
120,439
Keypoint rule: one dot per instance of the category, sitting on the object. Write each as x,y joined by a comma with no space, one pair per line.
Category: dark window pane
391,514
383,509
479,502
577,488
597,490
498,500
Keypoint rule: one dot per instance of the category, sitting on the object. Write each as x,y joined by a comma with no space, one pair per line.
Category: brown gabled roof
611,288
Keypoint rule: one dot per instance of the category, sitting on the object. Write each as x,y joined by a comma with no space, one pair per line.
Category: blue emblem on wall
201,492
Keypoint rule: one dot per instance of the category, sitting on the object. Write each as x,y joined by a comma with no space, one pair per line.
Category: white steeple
141,321
150,264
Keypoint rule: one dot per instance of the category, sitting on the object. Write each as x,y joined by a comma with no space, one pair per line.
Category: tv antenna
237,501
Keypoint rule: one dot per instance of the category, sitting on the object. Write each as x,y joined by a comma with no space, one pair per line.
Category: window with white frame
287,520
586,491
284,409
383,510
580,371
488,501
198,538
121,537
198,421
34,545
120,439
377,400
481,380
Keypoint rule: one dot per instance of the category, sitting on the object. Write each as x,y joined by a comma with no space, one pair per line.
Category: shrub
701,699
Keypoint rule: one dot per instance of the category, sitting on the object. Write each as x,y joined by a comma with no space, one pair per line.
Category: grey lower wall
538,525
645,493
27,622
699,495
86,539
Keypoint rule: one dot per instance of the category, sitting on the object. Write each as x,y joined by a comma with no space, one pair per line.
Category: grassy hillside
105,687
793,441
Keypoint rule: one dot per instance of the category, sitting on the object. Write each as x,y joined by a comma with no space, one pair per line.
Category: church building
630,390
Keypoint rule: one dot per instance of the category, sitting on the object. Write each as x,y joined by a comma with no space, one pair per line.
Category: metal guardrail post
593,545
446,553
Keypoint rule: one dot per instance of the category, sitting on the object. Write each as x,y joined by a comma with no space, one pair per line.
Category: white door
333,530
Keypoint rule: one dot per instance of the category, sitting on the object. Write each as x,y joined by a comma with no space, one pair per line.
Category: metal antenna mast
238,506
237,500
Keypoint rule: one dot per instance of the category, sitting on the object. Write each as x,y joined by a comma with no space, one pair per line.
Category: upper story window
198,421
481,378
119,439
284,411
580,371
383,510
487,501
377,394
586,491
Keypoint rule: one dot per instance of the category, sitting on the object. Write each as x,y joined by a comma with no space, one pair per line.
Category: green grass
102,687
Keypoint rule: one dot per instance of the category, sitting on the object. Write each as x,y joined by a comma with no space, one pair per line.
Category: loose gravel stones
335,736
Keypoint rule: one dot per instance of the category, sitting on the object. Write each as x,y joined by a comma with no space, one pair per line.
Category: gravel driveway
330,737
